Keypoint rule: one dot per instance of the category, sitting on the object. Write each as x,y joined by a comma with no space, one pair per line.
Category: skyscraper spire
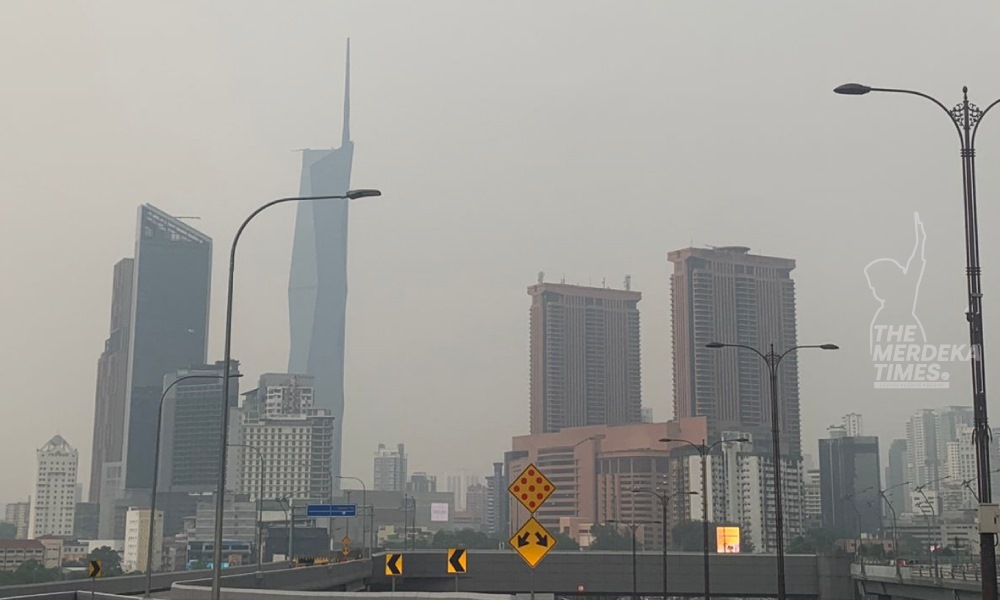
347,98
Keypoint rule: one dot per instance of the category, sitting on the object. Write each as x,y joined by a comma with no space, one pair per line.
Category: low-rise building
13,553
136,555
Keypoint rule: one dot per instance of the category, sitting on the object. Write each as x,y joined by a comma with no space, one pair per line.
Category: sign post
93,571
332,510
532,541
393,567
457,563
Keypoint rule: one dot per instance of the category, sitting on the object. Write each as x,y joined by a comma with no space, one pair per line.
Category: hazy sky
584,139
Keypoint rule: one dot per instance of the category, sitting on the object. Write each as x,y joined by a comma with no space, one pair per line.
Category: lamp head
715,345
852,89
362,193
829,347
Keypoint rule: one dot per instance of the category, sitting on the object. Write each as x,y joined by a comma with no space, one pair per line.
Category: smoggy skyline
582,139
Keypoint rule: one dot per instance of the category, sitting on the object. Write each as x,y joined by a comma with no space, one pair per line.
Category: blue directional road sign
332,510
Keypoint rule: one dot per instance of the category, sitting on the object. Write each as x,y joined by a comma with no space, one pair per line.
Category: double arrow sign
532,541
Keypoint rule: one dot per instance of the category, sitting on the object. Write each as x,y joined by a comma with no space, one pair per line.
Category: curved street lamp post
664,502
156,474
704,451
227,365
966,117
773,360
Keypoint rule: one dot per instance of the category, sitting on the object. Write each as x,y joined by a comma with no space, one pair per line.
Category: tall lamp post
364,502
227,366
966,117
932,518
633,526
857,515
704,450
156,473
664,502
773,360
892,509
260,502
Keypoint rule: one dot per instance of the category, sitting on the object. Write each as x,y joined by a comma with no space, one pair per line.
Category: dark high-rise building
85,520
317,285
728,295
169,326
112,377
585,363
849,480
192,426
895,477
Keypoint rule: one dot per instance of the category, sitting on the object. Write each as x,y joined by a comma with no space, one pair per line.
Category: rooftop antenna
563,281
628,283
604,282
541,277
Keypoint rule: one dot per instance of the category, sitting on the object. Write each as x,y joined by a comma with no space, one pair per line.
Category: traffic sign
346,550
531,488
532,542
346,541
94,568
393,564
332,510
457,561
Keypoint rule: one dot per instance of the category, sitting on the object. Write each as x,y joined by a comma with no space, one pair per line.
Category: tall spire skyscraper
317,286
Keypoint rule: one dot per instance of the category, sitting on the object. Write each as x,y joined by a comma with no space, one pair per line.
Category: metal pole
967,117
704,515
635,580
663,505
982,434
156,477
772,363
220,500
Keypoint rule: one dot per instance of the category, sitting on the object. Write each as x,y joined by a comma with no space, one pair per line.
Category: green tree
816,541
564,542
609,537
111,563
689,536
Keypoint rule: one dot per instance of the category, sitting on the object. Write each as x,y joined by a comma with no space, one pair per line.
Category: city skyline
464,226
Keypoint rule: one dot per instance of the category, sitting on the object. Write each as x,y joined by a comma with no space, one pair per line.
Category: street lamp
633,526
773,360
664,501
704,451
895,530
156,472
227,365
260,502
858,550
933,516
364,502
966,117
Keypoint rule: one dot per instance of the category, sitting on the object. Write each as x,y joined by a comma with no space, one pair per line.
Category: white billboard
439,512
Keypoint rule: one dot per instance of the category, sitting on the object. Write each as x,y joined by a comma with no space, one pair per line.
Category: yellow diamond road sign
532,542
531,488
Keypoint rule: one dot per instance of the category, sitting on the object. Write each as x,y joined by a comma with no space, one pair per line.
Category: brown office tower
728,295
584,357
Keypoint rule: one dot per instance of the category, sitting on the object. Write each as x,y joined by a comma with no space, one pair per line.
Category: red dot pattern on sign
517,488
538,480
531,473
540,495
524,480
532,504
531,488
547,487
524,496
